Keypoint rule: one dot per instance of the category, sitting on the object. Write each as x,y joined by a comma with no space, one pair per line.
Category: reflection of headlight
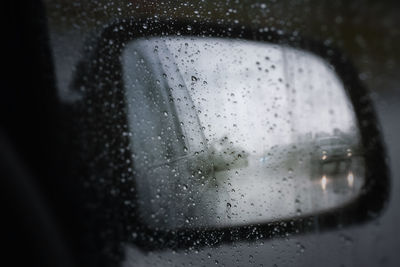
323,182
324,157
350,179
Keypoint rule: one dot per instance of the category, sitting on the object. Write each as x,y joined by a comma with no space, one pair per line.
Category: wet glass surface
365,30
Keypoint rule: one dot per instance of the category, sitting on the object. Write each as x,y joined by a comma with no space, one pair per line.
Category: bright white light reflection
350,179
323,182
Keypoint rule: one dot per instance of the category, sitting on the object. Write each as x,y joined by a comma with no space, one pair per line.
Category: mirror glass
228,132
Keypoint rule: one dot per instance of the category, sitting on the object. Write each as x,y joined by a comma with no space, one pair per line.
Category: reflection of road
260,193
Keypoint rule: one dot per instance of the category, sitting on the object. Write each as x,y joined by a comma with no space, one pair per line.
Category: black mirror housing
111,181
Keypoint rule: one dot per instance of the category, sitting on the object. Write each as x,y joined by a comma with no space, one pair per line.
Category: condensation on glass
233,132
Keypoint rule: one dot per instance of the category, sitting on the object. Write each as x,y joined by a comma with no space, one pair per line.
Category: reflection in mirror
233,132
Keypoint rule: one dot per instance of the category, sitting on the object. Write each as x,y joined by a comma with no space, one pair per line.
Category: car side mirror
228,132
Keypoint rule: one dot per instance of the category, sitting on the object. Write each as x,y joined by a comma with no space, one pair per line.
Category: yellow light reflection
323,182
350,179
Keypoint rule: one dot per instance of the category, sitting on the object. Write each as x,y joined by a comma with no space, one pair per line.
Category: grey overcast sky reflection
260,95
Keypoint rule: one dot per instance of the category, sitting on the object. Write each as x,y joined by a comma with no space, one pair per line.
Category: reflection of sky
259,94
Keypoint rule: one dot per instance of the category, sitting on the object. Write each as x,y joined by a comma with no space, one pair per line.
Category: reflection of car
332,156
333,149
